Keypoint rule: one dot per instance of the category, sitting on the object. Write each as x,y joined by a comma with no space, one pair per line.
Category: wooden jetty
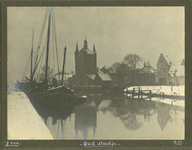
148,94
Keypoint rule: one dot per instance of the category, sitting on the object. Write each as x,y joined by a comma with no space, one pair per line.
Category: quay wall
23,121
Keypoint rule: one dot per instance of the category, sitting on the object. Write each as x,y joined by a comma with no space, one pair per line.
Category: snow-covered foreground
166,90
23,122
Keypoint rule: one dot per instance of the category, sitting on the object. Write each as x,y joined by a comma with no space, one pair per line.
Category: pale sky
115,31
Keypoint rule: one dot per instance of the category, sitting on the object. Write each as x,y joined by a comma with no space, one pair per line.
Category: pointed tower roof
76,46
85,44
94,48
85,48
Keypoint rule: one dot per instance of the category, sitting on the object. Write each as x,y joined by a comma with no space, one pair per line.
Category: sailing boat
41,92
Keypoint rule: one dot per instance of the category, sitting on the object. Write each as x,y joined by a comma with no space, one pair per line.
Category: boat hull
55,97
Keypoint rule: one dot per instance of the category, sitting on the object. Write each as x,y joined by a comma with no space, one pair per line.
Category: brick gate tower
85,60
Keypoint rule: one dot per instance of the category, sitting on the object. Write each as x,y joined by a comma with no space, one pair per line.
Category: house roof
104,77
66,76
92,76
180,70
167,59
148,69
105,67
100,71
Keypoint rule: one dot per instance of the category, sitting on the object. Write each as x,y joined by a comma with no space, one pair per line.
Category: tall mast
31,76
48,37
65,49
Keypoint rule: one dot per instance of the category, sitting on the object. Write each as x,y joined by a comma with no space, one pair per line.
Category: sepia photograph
96,73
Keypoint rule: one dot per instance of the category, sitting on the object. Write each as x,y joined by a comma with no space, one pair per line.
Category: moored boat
48,91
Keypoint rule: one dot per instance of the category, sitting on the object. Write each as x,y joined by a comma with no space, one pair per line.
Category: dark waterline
105,117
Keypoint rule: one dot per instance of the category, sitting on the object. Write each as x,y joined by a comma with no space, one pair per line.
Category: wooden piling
150,95
133,92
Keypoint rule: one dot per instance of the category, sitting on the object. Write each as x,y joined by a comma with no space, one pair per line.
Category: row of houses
87,74
167,73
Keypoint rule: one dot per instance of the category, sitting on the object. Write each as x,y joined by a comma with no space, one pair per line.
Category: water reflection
163,115
115,118
86,119
55,119
130,111
167,113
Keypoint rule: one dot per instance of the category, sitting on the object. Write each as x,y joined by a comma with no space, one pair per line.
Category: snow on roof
66,76
105,67
167,59
180,70
100,71
172,68
92,76
104,77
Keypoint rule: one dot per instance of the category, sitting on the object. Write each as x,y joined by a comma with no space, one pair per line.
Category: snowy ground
23,122
166,90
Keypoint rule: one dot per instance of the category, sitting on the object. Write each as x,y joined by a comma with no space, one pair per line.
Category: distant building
178,74
104,80
85,63
143,76
105,69
168,73
148,74
116,78
87,75
183,62
163,67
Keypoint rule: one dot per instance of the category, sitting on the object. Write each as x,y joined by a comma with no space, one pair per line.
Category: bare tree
132,60
128,67
120,68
